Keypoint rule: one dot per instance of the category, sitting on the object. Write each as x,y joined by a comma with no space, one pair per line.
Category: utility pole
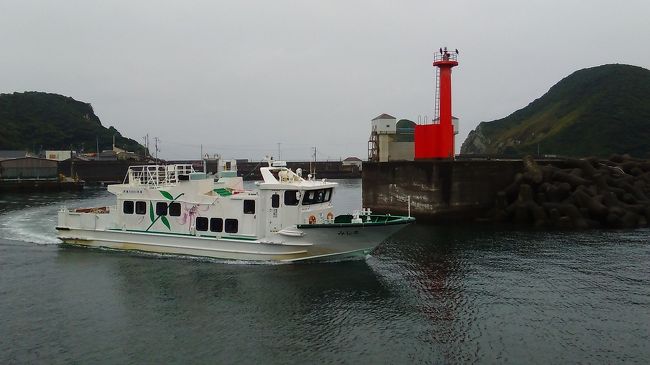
156,139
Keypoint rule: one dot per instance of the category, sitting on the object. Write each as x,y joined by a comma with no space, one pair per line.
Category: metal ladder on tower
436,100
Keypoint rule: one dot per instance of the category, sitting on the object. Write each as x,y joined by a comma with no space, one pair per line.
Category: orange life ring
312,219
330,216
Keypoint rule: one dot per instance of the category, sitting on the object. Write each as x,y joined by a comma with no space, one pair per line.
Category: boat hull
314,244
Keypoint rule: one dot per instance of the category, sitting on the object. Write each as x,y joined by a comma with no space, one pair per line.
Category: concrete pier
440,190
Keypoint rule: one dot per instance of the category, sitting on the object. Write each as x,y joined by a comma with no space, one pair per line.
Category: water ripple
429,294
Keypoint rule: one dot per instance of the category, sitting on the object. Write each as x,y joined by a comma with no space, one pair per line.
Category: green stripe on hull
289,257
184,234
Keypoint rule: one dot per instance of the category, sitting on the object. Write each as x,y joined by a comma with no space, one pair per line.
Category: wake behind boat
174,209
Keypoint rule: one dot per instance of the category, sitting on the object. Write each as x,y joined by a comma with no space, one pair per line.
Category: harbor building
391,140
28,168
58,155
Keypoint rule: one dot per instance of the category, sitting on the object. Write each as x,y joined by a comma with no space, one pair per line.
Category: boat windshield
317,196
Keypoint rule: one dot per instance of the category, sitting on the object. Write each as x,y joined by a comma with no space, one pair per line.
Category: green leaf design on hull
155,217
165,222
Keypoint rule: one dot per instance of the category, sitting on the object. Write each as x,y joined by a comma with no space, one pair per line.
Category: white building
384,124
391,140
353,161
58,155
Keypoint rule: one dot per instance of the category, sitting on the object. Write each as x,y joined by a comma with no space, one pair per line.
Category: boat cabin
176,199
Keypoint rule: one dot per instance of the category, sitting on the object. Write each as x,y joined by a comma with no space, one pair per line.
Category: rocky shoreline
583,193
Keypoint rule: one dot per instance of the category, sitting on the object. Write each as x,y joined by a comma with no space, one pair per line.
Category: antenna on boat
312,170
203,158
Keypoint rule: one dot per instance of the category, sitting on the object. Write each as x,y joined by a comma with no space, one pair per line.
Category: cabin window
249,206
231,226
175,209
140,207
291,197
201,223
128,207
161,208
275,201
309,198
216,224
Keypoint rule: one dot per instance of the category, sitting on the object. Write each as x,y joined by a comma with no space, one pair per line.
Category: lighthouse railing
445,56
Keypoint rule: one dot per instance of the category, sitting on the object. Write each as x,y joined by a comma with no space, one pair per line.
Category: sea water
429,294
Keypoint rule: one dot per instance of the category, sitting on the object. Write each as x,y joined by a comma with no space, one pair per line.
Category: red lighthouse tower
437,140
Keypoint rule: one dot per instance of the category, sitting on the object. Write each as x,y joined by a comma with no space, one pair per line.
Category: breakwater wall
96,171
439,190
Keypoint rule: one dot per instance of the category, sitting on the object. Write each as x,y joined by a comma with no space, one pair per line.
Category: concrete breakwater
560,193
96,171
439,190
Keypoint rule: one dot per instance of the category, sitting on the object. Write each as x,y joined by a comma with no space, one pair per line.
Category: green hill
596,111
40,121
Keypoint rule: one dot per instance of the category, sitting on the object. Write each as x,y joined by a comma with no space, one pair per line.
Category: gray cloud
239,77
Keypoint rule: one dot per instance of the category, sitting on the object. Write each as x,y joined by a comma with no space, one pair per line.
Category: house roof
6,154
20,159
352,159
385,116
405,124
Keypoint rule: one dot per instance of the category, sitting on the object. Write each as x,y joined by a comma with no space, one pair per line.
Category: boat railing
157,175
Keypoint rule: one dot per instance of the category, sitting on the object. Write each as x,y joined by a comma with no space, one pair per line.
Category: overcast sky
240,77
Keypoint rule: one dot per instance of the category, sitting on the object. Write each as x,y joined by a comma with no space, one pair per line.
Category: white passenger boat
174,209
